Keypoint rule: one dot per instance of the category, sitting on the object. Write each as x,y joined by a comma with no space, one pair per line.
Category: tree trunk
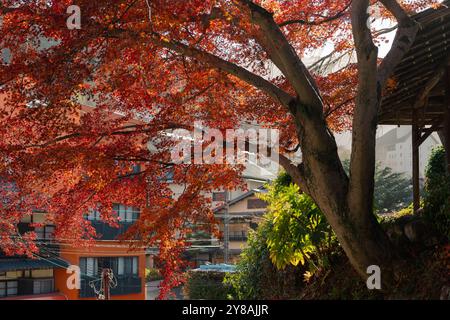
347,202
363,240
354,223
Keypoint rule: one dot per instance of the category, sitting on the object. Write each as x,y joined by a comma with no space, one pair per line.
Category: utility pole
226,233
106,278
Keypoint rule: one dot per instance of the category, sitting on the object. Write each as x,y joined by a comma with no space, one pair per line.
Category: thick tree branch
404,38
361,33
214,61
125,130
284,56
360,195
295,171
5,10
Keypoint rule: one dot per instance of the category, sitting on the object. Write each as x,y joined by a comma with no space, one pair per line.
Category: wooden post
444,134
446,130
445,137
226,229
415,160
446,141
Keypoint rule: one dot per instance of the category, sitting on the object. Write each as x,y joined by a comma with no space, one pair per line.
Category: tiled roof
14,264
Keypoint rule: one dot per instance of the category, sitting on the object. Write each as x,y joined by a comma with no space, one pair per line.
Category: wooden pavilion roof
420,79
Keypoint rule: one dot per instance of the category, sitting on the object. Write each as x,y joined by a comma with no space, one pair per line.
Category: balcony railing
32,286
237,236
125,285
110,233
48,248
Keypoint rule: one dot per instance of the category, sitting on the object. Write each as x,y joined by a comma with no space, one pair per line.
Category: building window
8,288
121,266
93,215
126,214
45,232
238,235
89,266
168,175
256,204
42,286
137,168
218,196
127,266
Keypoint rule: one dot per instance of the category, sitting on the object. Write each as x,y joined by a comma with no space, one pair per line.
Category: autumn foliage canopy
79,107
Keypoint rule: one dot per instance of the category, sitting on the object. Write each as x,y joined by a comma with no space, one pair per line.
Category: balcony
35,286
48,248
237,236
125,285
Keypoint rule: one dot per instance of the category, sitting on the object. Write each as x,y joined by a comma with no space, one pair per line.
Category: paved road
153,291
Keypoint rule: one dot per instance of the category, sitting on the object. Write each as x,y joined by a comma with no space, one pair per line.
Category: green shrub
409,210
387,220
257,278
152,274
299,230
437,192
207,285
290,245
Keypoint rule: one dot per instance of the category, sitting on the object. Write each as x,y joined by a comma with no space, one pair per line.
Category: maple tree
155,66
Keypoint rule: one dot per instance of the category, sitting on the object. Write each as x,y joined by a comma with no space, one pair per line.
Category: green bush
299,232
207,285
437,192
257,278
290,245
152,274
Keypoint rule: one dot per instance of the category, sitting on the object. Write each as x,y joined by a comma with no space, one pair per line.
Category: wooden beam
415,160
428,131
431,83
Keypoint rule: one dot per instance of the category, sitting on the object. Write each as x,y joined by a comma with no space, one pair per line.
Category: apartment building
237,217
394,150
44,276
33,278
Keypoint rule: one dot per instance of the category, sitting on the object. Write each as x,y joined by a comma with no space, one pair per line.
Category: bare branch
384,31
339,106
316,23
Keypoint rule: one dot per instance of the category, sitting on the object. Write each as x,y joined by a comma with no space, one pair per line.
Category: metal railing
238,236
125,285
110,233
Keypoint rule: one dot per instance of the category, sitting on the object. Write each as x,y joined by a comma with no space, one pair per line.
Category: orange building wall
100,249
